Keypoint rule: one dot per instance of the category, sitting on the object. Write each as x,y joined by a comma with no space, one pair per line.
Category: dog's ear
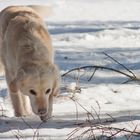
42,10
14,85
57,79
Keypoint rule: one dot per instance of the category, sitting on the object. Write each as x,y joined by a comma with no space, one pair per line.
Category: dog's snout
42,111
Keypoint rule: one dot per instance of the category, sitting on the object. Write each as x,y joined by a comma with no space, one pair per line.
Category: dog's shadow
60,122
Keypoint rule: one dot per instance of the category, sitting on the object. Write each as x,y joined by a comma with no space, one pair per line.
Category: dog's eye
32,92
48,90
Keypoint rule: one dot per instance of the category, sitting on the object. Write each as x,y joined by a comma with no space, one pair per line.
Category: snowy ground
82,31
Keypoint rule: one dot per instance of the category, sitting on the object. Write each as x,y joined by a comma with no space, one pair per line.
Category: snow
82,31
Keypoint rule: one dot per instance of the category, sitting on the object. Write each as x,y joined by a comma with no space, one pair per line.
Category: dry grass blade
113,119
77,115
88,112
72,133
95,131
36,131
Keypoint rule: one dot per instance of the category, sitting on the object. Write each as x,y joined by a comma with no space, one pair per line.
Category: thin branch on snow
92,74
133,78
130,75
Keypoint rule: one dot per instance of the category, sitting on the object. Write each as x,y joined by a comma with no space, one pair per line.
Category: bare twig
128,81
27,123
92,74
133,132
113,119
36,132
120,64
133,78
17,134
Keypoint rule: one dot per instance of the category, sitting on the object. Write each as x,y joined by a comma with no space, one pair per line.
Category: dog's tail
42,10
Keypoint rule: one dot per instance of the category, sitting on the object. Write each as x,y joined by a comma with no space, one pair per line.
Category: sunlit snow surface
82,31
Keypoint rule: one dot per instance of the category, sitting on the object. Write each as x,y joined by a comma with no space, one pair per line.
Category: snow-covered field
82,31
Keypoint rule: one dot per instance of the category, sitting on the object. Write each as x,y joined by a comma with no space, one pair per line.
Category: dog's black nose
42,111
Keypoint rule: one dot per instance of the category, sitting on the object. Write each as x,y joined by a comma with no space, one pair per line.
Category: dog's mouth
43,117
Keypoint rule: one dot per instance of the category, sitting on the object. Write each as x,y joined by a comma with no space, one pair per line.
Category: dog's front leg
18,104
50,107
26,104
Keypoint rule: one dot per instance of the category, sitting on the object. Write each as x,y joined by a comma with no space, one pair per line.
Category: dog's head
40,84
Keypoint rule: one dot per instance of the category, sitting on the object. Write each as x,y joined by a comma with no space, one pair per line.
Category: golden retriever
27,56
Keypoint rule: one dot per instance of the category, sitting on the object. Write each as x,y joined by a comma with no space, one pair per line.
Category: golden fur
27,55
